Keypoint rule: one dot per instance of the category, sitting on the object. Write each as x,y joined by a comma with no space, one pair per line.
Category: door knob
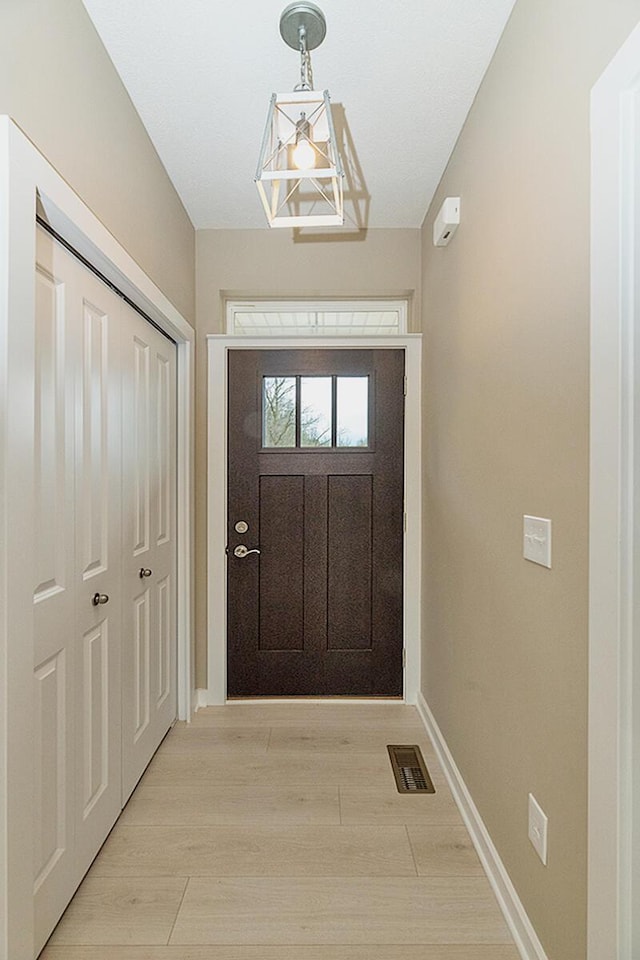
145,572
99,598
241,551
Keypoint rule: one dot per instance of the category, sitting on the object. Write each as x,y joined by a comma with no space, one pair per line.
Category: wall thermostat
446,223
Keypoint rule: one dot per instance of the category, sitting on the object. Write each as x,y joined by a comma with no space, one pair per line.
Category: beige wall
506,353
269,263
60,87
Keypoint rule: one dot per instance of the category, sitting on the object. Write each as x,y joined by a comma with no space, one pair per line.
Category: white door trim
25,178
613,596
218,347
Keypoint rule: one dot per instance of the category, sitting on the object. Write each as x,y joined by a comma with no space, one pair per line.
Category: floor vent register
409,769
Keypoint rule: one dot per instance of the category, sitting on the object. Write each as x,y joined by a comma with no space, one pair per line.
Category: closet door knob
99,598
144,572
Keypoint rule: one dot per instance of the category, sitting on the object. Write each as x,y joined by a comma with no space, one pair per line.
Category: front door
315,523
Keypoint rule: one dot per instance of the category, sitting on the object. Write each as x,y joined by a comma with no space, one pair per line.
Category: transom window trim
316,318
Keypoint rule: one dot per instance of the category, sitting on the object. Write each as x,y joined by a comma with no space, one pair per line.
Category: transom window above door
325,318
315,412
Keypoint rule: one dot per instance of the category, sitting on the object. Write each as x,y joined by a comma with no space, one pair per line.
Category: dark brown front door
315,485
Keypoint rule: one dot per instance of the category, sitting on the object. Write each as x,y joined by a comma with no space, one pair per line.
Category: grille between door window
315,412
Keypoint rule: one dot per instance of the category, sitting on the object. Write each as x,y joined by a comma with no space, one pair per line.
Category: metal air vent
409,769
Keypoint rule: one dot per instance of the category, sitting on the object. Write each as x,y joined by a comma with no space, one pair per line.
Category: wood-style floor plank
256,851
218,802
443,851
124,911
382,804
336,911
280,952
240,740
303,768
350,740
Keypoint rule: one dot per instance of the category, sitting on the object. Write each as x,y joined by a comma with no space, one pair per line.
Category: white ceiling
200,74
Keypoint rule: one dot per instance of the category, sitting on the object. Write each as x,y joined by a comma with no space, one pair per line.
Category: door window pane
315,417
314,412
279,412
353,412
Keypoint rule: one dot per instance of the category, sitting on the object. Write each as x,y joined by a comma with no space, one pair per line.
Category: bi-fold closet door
104,586
149,555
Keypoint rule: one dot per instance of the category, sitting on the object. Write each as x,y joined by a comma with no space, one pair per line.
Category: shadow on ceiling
357,199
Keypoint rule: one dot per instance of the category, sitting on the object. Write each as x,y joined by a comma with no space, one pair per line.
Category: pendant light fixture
299,176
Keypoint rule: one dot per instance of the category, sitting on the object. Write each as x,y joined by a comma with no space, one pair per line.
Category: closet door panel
164,500
54,590
98,562
149,633
77,522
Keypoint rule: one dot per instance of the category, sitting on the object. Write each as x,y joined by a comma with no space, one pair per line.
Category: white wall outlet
537,540
538,824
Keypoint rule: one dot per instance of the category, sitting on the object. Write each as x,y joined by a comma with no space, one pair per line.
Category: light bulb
304,155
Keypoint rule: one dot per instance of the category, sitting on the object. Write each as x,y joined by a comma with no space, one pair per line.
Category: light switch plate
538,825
537,540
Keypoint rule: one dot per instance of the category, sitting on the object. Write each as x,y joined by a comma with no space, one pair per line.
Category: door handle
241,551
144,572
99,598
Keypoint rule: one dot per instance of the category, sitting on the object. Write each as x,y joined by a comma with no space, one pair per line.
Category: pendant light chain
306,71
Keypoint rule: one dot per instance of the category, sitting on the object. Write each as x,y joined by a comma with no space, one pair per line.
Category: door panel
95,688
54,600
318,611
149,644
76,666
52,809
141,671
98,558
53,450
165,634
281,570
93,442
164,431
141,435
350,563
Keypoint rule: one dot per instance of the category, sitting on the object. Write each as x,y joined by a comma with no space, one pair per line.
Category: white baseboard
518,922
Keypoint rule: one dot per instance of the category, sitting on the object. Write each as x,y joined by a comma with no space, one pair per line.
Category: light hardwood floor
275,832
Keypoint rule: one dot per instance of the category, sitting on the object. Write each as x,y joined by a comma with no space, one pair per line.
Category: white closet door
98,564
54,597
78,536
149,579
104,513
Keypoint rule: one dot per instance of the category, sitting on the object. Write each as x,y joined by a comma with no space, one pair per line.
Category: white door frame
614,593
26,178
218,348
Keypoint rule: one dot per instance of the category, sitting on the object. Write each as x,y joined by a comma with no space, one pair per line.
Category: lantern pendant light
299,176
